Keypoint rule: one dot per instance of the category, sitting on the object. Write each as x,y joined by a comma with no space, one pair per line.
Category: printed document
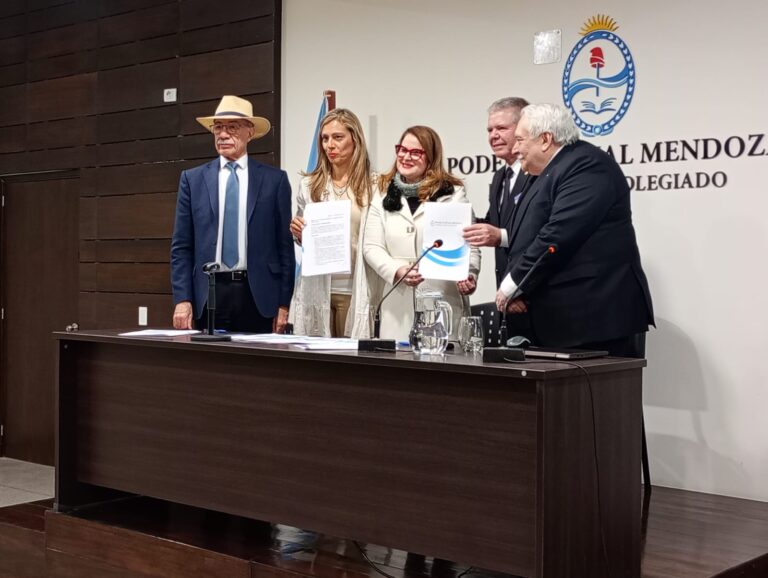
325,239
445,222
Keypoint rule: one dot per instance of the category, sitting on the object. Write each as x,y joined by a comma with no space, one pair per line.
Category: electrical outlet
143,316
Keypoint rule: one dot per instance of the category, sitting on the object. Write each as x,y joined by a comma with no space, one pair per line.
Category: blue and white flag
313,152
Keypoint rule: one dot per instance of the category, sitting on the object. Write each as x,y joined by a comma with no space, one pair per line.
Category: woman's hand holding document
446,221
326,238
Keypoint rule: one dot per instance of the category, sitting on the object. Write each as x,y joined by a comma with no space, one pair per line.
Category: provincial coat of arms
599,77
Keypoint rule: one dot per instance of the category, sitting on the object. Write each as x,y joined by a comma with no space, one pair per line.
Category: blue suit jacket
270,259
593,288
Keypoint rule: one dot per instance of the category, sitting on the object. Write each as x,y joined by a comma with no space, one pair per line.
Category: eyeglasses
232,128
402,152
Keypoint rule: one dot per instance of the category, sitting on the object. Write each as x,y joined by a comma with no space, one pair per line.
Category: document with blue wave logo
445,222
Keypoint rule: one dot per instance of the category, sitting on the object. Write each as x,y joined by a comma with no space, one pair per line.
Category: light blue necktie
229,251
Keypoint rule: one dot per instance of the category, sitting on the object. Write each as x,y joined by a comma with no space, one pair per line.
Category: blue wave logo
598,101
448,257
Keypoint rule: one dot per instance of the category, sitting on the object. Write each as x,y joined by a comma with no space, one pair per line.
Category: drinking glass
471,334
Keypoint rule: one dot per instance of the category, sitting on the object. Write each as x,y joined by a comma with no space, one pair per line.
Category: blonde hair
359,180
436,174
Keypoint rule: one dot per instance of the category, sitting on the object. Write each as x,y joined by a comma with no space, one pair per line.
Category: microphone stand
507,353
210,335
388,345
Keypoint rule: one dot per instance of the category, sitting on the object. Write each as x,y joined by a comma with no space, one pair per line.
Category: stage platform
685,535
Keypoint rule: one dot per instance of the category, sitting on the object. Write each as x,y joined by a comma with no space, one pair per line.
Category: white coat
394,239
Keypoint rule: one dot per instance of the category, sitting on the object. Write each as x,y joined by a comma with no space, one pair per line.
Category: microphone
551,250
503,353
377,344
210,269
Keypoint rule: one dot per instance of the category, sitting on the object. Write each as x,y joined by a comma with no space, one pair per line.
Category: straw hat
236,108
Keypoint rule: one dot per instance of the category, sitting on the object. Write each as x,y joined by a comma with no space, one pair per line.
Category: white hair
552,118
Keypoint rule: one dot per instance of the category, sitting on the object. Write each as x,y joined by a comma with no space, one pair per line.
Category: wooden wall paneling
140,178
88,177
228,35
87,217
87,251
13,50
132,277
56,16
14,139
55,134
132,251
245,70
61,98
57,159
151,50
13,74
136,216
204,13
145,151
112,7
139,124
59,66
12,7
13,25
67,40
110,310
154,21
14,109
86,277
135,87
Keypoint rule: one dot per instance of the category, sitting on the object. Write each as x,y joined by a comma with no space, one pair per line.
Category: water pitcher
432,321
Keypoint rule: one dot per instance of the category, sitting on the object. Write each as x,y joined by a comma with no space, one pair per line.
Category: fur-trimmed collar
393,201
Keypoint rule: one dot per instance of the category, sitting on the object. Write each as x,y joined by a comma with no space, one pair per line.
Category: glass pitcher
432,323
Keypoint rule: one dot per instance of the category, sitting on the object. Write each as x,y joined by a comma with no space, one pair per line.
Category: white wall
700,74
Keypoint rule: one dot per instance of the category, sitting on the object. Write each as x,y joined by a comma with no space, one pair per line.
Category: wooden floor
688,535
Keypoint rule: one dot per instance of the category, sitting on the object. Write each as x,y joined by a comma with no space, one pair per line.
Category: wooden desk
488,465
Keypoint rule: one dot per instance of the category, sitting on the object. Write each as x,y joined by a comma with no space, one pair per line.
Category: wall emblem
599,78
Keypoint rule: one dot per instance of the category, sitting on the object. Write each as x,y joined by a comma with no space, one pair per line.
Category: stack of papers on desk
300,341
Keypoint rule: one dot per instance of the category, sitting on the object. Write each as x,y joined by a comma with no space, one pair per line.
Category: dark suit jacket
270,259
501,217
593,288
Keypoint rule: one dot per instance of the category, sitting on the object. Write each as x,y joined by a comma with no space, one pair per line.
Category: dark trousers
630,346
235,309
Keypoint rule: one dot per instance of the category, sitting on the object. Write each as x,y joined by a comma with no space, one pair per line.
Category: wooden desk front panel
417,458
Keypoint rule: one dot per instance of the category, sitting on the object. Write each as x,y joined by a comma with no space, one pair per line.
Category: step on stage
685,535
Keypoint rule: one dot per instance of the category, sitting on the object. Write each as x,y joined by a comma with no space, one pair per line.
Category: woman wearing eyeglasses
393,235
337,305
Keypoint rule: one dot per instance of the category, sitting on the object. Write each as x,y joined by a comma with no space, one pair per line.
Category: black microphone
503,353
377,344
210,269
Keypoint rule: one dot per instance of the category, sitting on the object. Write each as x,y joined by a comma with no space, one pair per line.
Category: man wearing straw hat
236,212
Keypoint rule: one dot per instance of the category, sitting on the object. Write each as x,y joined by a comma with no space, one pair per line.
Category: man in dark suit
591,292
233,211
506,191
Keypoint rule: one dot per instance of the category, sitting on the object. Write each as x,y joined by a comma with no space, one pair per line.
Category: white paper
330,344
446,221
159,333
326,238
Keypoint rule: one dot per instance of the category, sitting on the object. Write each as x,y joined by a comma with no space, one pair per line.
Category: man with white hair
574,265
